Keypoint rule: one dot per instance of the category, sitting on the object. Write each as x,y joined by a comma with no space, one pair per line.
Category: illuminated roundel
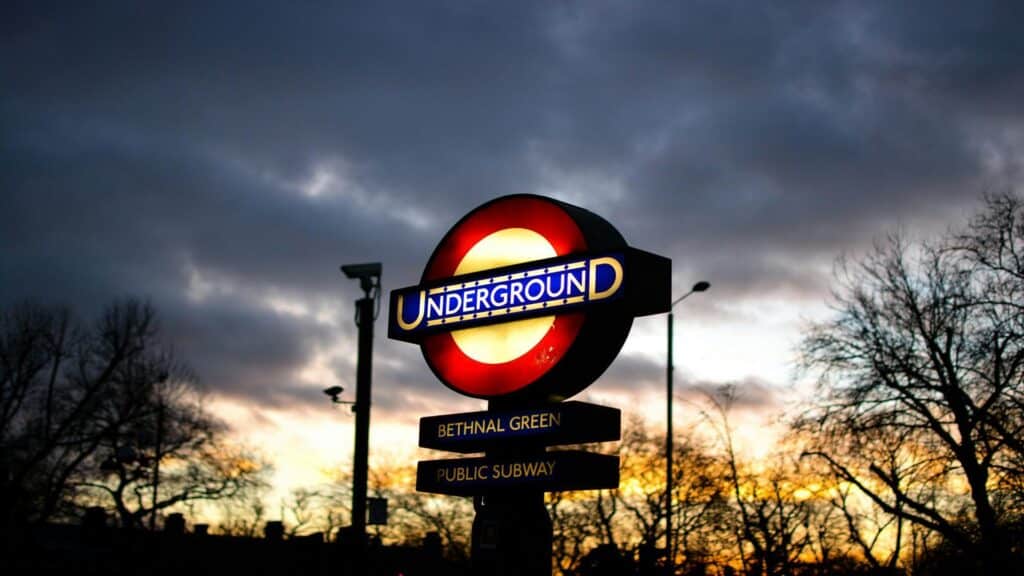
527,298
501,358
523,298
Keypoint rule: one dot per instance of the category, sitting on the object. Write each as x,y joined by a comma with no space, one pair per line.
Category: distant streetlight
670,555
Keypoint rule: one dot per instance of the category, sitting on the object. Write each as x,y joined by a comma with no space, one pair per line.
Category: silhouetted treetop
103,413
921,378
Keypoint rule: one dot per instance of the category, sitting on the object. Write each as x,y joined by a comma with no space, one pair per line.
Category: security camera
360,271
365,273
334,392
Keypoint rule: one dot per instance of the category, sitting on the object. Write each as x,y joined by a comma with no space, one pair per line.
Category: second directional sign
548,472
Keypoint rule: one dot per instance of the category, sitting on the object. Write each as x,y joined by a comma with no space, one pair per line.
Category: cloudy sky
222,159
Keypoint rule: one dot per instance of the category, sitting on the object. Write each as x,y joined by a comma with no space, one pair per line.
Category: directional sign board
547,472
552,425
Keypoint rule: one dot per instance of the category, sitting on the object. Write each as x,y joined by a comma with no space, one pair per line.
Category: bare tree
771,521
992,247
574,531
630,519
299,511
56,375
244,514
642,493
699,502
926,348
411,515
104,413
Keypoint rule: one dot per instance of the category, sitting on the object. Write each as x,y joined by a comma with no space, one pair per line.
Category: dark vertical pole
364,317
670,548
669,552
512,534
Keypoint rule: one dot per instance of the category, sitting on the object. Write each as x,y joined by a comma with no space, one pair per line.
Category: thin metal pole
365,307
669,552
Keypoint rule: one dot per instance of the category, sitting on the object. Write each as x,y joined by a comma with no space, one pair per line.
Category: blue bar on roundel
504,294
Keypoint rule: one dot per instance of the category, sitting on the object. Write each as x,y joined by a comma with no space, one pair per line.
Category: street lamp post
366,310
670,555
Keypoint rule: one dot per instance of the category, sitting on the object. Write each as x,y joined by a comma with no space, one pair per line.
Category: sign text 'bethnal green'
553,425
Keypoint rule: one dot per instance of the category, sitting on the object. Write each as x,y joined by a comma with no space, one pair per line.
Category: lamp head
701,286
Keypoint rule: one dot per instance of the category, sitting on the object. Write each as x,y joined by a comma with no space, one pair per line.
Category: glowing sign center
502,343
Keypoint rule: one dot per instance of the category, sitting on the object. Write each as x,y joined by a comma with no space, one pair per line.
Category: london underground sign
525,302
527,298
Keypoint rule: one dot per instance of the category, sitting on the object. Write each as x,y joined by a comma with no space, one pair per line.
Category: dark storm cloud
244,353
212,156
793,128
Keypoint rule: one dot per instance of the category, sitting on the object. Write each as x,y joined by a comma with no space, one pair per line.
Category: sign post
525,302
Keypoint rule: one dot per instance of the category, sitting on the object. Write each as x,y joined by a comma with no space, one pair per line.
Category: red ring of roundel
454,367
